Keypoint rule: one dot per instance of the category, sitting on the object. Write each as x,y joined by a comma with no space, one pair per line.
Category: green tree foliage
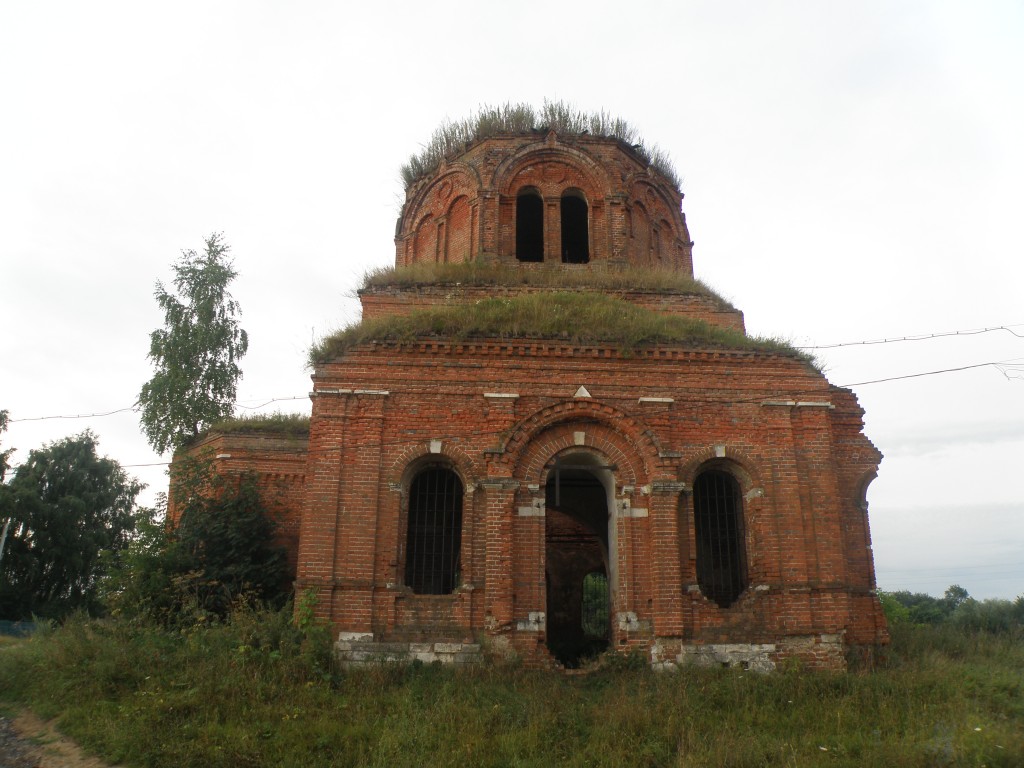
5,454
5,496
220,553
71,511
956,607
921,608
196,353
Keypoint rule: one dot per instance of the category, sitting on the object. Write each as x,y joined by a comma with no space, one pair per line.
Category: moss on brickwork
452,138
576,317
487,272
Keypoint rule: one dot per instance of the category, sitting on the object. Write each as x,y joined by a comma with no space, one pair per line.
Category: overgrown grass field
260,692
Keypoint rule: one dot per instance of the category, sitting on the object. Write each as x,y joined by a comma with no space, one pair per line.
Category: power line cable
1013,369
921,337
76,416
997,364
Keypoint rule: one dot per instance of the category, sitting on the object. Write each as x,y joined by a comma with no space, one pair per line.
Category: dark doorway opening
576,562
529,227
575,230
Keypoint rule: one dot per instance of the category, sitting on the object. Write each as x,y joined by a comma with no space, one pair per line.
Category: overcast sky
853,172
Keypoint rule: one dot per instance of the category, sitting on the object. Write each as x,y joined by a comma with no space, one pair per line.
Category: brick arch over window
741,465
598,438
406,463
552,170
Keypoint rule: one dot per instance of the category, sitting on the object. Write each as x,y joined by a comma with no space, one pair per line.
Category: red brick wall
792,440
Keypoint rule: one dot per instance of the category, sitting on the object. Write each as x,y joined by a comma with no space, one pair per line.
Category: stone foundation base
814,651
357,648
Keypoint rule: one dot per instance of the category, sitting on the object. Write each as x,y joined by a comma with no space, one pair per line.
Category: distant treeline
955,607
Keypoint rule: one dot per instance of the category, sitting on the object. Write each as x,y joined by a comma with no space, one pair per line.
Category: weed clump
451,138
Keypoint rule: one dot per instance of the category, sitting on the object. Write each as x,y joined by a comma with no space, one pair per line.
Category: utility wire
272,400
1006,367
76,416
921,337
997,364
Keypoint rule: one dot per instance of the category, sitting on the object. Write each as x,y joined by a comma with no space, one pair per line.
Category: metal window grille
721,559
435,532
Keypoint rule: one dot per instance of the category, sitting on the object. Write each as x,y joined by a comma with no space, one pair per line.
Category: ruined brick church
615,466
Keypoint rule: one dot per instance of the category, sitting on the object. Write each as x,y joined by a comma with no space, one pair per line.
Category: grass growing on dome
483,272
451,138
574,317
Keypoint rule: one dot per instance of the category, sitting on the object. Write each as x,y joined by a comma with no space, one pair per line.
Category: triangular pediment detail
582,392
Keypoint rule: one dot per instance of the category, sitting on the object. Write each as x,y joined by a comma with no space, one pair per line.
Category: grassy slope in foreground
254,693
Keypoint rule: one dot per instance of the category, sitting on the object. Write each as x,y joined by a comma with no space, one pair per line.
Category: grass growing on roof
575,317
483,272
291,424
451,138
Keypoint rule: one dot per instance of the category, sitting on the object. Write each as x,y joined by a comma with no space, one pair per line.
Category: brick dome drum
591,190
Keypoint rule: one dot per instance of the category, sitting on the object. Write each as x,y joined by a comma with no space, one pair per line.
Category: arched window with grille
435,532
718,527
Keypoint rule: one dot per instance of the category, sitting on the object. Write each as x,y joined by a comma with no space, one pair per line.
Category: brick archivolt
561,168
552,430
399,473
437,198
741,466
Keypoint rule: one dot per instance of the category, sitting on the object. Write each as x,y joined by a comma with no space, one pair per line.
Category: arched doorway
579,542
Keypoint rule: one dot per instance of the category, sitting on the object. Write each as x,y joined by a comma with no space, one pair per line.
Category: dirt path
29,742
